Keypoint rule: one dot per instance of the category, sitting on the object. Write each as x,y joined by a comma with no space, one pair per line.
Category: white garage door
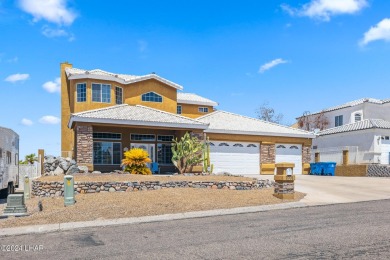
385,152
291,153
235,157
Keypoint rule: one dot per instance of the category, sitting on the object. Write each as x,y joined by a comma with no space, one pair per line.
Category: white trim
101,93
86,92
217,131
121,80
203,109
201,103
133,122
115,95
162,98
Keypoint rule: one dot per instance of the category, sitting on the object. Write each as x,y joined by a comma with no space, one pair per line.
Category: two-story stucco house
360,126
105,114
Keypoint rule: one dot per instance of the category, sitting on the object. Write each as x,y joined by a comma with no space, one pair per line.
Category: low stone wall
353,170
378,170
56,189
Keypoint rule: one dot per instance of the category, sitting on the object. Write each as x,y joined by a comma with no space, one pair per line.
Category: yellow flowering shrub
135,161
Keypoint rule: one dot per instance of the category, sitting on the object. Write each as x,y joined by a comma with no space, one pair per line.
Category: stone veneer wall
84,145
56,188
306,154
378,170
267,153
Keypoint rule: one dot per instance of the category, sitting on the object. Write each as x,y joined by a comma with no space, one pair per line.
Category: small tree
187,152
310,122
135,161
267,113
30,159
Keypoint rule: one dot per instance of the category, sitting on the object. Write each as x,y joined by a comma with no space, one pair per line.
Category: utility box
27,188
69,190
284,181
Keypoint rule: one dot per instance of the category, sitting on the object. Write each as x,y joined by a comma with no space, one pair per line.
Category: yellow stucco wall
192,111
67,135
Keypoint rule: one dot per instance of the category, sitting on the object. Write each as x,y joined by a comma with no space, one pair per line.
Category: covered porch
100,142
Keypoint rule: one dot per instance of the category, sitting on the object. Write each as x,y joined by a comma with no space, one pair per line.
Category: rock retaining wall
56,188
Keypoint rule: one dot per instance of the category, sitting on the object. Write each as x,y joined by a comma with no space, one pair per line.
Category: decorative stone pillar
306,158
267,158
84,145
345,157
317,157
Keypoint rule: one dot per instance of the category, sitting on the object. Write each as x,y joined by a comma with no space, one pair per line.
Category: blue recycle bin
323,168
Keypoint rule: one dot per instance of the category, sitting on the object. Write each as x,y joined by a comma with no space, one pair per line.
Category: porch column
267,158
84,146
306,158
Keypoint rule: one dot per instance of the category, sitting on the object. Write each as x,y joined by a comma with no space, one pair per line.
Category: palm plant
135,161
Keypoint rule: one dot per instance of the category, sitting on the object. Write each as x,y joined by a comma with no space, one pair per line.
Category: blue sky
297,55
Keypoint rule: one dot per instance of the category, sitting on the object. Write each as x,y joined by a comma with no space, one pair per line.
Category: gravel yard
142,203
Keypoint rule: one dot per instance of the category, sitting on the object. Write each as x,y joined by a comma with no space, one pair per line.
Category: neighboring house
9,160
362,127
105,114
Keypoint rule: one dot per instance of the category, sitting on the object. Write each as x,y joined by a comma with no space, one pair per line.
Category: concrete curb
121,221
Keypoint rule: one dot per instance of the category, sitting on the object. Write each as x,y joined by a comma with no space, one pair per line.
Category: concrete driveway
334,189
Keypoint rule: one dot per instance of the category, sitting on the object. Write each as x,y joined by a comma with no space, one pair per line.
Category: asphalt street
343,231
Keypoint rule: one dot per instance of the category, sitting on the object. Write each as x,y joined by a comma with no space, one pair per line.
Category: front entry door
147,147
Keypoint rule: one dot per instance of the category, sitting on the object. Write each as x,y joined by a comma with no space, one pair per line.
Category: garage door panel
239,159
290,153
385,152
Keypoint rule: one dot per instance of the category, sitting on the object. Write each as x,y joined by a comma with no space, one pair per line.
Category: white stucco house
361,126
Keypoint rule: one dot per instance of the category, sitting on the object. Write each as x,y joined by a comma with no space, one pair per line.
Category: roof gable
74,73
191,98
229,123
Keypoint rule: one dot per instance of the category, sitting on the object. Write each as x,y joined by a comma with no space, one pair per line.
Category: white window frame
162,98
101,93
177,109
117,87
77,92
112,155
337,120
203,109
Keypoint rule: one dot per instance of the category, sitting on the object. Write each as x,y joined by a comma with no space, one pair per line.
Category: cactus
206,157
211,168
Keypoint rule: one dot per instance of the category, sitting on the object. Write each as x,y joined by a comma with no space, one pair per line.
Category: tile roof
191,98
135,115
225,122
354,103
361,125
74,73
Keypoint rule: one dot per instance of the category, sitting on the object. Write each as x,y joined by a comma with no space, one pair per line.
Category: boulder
83,169
96,172
50,159
72,170
64,164
58,171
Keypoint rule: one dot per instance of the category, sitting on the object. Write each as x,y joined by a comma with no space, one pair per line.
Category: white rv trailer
9,161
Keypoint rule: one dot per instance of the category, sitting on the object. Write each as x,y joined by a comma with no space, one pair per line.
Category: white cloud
142,45
53,86
13,60
26,122
17,77
324,9
54,11
51,120
50,33
271,64
381,31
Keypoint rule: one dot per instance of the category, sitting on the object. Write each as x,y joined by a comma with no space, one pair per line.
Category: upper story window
178,109
164,138
118,95
142,137
101,93
114,136
81,92
358,117
338,120
203,109
151,97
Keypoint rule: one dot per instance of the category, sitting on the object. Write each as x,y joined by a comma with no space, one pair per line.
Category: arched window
238,145
251,145
211,144
151,97
223,144
280,146
358,117
294,147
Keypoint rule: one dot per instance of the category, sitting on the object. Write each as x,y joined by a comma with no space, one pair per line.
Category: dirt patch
139,178
135,204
